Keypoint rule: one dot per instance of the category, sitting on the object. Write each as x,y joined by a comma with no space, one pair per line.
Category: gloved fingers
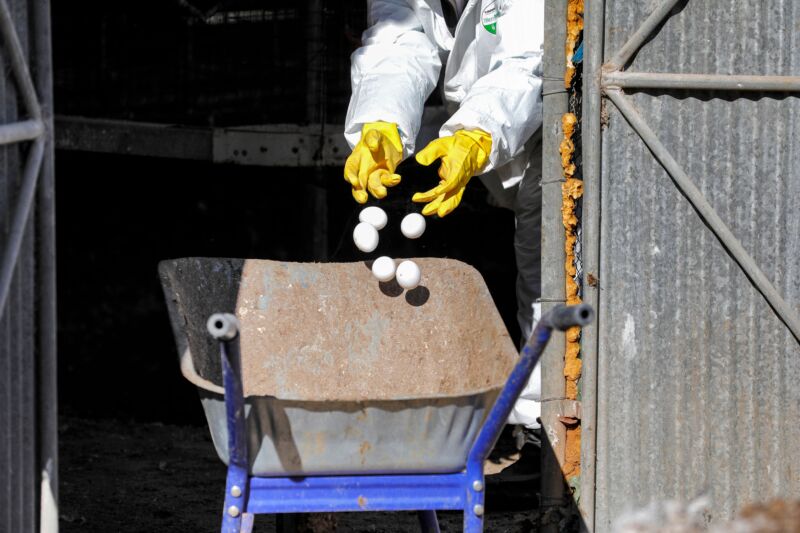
426,196
390,179
453,173
360,195
450,203
435,150
358,167
374,184
433,206
351,168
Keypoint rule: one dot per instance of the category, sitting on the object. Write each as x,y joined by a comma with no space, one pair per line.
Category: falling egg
413,225
366,237
383,268
374,216
408,274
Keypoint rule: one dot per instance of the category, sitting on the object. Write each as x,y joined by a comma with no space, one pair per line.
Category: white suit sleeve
507,101
392,73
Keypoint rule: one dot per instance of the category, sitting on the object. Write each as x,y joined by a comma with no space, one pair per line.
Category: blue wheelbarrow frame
246,495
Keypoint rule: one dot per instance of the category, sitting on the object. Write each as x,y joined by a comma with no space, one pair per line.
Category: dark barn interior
135,451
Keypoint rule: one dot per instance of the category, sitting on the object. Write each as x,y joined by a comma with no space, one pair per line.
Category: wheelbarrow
328,391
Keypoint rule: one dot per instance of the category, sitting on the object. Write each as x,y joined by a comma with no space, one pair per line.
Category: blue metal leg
237,487
476,490
428,522
472,523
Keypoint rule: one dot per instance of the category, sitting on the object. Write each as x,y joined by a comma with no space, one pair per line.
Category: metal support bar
19,64
276,145
593,38
413,492
636,40
41,68
555,100
20,222
25,130
731,244
712,82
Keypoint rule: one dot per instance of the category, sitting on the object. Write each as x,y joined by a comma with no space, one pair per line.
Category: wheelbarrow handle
560,317
563,317
223,326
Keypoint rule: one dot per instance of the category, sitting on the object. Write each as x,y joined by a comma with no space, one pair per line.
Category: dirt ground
137,477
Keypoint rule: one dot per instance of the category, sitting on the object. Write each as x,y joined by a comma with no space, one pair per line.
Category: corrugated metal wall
26,427
698,380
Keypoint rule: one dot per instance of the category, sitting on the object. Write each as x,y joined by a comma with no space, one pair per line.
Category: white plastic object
413,225
374,216
366,237
408,275
383,268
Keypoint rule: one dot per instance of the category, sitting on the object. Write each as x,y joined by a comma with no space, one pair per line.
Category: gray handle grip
563,317
223,326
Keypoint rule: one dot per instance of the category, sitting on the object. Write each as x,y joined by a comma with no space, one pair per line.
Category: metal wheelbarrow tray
347,393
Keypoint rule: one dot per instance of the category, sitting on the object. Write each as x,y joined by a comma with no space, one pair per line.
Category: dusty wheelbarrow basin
343,374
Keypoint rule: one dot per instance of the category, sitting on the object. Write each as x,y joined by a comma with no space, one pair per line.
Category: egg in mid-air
374,216
366,237
413,225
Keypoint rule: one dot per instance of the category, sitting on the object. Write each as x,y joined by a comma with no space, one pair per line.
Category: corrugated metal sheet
20,430
698,379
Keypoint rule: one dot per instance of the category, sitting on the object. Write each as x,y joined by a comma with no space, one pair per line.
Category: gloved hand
463,155
371,165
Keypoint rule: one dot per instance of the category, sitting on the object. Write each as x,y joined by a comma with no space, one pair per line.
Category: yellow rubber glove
463,155
371,165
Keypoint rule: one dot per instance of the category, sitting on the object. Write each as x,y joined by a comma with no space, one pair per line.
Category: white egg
383,268
413,225
375,216
366,237
408,274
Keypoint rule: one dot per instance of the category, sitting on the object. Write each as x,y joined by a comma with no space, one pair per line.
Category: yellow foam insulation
574,29
571,191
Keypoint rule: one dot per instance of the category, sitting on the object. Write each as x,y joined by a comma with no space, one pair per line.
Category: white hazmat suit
492,81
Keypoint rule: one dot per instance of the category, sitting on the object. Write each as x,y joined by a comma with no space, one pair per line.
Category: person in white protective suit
492,89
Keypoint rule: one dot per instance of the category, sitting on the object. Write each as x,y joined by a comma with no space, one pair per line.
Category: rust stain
362,502
363,450
571,467
574,29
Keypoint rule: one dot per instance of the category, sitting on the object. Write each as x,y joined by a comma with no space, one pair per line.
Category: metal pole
593,39
20,221
25,130
713,82
42,69
636,40
19,64
707,213
555,100
47,401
